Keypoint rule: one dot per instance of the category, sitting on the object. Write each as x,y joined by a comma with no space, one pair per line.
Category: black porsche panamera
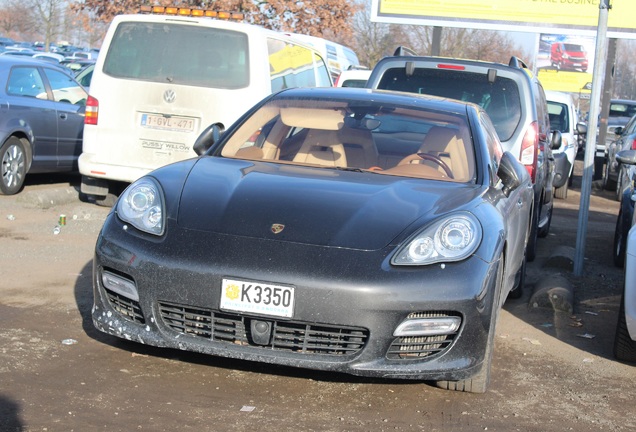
350,230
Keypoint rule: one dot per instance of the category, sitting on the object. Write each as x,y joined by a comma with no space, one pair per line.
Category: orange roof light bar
174,10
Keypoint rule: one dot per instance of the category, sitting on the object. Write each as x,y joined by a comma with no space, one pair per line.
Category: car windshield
363,136
500,99
620,109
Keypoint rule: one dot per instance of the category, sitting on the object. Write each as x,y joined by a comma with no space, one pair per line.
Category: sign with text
560,16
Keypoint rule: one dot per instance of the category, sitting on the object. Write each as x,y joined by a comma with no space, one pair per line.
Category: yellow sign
564,81
578,16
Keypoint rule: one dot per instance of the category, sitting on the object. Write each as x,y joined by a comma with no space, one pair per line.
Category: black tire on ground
479,383
608,183
624,346
544,230
531,248
620,241
598,168
13,166
520,281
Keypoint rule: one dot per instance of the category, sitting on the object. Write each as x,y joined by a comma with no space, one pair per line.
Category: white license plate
182,124
259,298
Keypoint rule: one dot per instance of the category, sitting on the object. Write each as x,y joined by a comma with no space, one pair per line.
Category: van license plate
259,298
182,124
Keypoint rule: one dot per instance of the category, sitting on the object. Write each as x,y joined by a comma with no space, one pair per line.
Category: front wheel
479,382
620,242
624,346
14,165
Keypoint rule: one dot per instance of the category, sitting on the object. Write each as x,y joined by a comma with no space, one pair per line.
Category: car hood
315,206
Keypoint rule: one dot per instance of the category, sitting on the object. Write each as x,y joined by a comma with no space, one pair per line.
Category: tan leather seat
444,143
359,147
322,147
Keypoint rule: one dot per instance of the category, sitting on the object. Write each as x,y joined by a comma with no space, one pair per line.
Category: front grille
410,348
128,308
294,336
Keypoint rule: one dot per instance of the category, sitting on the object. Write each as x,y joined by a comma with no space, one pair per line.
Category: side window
495,149
26,81
64,88
292,65
542,113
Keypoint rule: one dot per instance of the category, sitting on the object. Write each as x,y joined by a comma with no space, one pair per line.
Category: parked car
41,120
570,56
620,111
303,236
513,98
615,176
625,255
353,78
50,57
84,75
625,339
563,118
625,218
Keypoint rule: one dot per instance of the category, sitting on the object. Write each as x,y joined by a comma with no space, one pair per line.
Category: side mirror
511,173
619,130
556,140
627,157
581,128
207,138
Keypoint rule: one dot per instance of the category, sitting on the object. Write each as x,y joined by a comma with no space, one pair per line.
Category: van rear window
179,54
500,99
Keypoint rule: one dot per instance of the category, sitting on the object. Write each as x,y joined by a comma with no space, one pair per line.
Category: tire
562,192
620,242
598,168
520,281
13,166
479,382
624,346
531,247
608,184
545,229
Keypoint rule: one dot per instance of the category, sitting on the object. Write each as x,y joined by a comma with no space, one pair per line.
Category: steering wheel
428,157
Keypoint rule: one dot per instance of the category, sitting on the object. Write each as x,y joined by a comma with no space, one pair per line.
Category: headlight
452,238
141,205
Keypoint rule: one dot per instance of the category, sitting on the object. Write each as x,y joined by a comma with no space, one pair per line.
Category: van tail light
92,111
530,150
634,144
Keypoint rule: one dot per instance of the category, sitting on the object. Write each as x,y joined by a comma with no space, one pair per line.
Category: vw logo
169,96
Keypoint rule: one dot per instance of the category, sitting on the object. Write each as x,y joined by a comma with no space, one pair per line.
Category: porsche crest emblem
277,228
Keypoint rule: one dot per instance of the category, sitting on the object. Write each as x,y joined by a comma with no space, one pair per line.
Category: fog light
120,285
428,326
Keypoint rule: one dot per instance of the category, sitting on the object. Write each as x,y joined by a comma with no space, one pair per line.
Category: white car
563,117
353,78
625,340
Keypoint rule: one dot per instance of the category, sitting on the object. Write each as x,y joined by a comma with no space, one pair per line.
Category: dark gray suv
513,98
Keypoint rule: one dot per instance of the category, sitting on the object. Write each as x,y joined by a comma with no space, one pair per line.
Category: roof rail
517,62
402,51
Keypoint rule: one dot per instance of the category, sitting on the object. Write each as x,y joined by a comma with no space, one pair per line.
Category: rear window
179,54
500,99
559,119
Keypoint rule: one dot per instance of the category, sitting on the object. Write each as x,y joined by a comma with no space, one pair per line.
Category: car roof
353,94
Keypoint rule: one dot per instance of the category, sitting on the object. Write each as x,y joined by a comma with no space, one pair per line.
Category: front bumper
348,304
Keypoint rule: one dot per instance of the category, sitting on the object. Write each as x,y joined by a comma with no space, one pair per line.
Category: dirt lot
552,371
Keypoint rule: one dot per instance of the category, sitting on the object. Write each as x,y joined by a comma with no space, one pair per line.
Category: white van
161,79
339,57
